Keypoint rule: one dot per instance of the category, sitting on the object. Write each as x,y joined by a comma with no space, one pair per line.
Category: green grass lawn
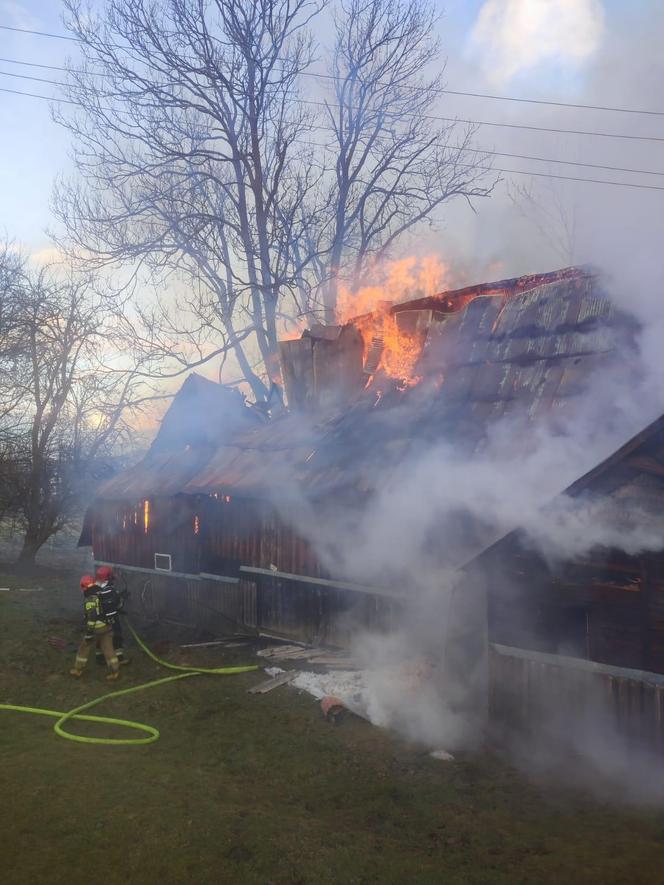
258,788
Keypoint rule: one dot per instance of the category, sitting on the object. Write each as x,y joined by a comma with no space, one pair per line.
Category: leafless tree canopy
395,165
66,394
210,152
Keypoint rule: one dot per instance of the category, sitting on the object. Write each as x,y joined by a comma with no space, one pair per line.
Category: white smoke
441,505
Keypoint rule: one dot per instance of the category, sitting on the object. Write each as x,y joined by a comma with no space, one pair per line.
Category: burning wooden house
201,527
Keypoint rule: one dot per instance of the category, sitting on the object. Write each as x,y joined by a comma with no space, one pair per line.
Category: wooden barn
605,606
201,526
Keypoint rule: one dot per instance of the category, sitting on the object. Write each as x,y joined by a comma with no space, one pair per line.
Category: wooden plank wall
322,615
621,597
118,533
293,610
202,604
547,696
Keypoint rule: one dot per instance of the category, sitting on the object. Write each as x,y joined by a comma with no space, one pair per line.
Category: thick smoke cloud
432,512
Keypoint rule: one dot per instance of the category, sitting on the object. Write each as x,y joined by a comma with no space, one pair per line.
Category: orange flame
369,307
395,281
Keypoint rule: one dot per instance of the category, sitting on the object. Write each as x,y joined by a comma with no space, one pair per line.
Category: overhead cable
415,89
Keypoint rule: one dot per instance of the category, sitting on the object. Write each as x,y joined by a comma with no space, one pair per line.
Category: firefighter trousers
105,639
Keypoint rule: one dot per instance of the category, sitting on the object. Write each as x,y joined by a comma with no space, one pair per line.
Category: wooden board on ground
288,652
275,682
333,662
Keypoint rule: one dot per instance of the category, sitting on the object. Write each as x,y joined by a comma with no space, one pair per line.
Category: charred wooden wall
121,533
216,535
273,605
210,534
608,608
243,531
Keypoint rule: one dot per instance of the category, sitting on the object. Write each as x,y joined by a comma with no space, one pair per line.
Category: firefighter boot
75,672
112,675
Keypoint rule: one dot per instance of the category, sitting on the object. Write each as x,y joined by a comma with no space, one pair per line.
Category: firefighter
97,629
112,601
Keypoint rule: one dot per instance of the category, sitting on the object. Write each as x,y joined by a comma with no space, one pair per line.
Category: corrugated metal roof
531,351
159,473
202,415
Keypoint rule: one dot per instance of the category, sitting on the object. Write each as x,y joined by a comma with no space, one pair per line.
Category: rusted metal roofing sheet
163,473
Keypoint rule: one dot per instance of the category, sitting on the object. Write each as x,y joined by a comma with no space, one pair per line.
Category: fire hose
151,732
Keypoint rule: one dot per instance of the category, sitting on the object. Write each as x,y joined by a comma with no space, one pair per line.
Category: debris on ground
333,709
57,642
287,652
230,642
274,682
319,657
442,755
348,686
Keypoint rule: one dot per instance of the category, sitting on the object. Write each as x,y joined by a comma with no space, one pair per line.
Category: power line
36,95
324,104
416,89
531,128
650,187
562,162
33,64
514,156
39,33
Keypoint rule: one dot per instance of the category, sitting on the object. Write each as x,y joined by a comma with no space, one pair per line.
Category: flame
146,516
369,308
410,277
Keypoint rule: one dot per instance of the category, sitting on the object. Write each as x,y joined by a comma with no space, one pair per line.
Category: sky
588,51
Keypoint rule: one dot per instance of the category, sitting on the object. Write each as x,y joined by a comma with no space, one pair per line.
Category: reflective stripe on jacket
94,614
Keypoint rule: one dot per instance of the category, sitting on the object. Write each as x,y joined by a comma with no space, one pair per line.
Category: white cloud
512,36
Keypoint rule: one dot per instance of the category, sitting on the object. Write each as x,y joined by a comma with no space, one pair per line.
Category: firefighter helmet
87,581
104,573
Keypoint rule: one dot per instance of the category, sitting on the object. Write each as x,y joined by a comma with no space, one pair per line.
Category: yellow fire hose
153,733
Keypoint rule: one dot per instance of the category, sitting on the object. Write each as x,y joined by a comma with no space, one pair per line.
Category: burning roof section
525,346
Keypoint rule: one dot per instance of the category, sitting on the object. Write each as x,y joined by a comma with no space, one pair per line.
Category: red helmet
104,573
87,581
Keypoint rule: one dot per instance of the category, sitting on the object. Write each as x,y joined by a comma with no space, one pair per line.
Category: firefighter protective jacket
95,620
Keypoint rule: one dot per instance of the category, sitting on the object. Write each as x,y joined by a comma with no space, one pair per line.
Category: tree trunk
31,544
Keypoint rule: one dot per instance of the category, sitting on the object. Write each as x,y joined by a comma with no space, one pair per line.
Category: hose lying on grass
152,733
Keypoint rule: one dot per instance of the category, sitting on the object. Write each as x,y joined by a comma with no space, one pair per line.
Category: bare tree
70,401
395,165
200,160
189,145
